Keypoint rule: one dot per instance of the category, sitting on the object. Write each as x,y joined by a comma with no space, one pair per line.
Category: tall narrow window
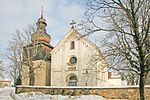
72,46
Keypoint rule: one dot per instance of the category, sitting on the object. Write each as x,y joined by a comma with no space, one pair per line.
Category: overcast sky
18,14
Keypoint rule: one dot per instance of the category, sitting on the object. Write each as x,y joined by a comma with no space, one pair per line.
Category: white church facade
76,61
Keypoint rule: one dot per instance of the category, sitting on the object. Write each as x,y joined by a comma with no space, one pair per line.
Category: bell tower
42,39
37,56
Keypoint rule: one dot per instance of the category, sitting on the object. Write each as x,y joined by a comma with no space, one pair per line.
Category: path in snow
5,93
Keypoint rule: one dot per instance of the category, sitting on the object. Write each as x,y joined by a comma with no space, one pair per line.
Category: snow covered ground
8,94
5,93
41,96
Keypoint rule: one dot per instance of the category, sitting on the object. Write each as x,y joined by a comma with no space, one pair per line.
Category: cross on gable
72,23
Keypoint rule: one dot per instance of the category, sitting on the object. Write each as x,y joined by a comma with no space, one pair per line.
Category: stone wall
126,92
4,83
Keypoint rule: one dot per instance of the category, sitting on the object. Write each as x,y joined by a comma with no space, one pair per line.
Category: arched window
72,80
72,45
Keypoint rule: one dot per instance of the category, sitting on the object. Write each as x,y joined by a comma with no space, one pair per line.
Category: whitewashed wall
84,51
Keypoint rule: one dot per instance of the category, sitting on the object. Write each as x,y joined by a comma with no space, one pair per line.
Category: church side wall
25,73
88,71
56,68
48,74
39,71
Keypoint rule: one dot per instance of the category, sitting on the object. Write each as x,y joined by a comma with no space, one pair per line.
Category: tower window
72,45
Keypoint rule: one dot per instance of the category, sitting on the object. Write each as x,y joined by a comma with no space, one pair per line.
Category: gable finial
72,24
42,12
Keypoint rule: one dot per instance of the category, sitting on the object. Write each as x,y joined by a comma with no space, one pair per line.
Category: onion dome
40,34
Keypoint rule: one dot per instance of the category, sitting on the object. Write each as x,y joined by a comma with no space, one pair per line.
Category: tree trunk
15,77
31,76
141,86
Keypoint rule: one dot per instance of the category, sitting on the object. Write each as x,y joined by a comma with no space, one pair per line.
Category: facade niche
72,45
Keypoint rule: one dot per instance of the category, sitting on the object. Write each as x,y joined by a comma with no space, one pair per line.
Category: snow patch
41,96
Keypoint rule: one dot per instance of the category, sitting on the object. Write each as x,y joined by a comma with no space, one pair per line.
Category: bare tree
2,69
126,23
17,55
30,53
14,55
23,52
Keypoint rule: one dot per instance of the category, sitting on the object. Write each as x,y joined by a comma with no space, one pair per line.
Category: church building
74,61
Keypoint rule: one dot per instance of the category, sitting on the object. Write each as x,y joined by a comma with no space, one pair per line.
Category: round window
73,60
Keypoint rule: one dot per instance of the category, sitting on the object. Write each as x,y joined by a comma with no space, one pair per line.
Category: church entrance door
72,81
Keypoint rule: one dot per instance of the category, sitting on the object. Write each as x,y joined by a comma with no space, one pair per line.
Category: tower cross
72,23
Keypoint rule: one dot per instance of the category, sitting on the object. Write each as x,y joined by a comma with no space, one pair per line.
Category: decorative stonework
72,37
71,68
